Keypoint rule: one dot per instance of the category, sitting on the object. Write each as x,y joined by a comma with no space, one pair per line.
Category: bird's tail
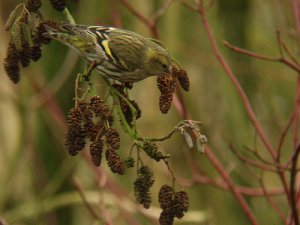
74,36
62,34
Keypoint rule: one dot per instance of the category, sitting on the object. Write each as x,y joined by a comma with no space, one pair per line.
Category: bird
120,54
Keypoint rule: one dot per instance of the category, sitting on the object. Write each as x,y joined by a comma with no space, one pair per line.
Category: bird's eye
164,66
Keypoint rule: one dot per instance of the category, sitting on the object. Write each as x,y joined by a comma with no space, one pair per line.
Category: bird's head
157,60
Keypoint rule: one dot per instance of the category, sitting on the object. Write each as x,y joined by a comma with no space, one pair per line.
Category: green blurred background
35,170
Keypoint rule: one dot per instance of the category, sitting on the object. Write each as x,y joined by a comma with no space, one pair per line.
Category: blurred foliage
36,171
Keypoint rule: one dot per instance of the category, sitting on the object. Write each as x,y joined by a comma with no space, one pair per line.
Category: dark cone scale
11,63
59,5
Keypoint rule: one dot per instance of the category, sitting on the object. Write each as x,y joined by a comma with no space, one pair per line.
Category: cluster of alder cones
25,24
167,85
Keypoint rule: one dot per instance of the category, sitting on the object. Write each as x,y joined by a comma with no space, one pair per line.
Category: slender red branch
271,167
272,203
293,186
149,23
135,12
161,11
80,190
282,138
296,113
235,82
232,187
296,193
217,183
241,92
281,59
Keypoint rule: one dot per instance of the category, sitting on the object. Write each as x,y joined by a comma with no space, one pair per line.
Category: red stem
282,138
218,166
235,82
241,92
253,192
296,113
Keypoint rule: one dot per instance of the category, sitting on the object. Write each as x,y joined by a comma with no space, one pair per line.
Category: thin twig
80,190
135,12
235,82
232,187
249,191
280,59
282,137
271,167
161,11
296,113
241,92
271,202
293,186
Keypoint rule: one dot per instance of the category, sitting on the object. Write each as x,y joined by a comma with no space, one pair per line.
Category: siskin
121,55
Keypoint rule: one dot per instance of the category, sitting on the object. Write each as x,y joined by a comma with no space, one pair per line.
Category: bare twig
271,202
232,187
149,23
282,137
161,11
280,59
296,113
80,190
293,186
235,82
249,191
267,166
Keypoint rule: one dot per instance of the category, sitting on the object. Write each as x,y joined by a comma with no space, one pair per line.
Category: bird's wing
86,40
123,48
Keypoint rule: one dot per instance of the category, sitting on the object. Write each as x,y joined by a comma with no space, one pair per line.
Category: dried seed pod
112,138
129,162
13,71
36,52
188,138
33,5
151,150
25,55
99,107
11,63
114,162
75,140
74,118
124,105
40,38
127,110
180,204
166,217
128,85
137,108
119,87
167,86
95,130
182,78
86,111
165,196
142,186
96,149
59,5
165,101
163,84
75,137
